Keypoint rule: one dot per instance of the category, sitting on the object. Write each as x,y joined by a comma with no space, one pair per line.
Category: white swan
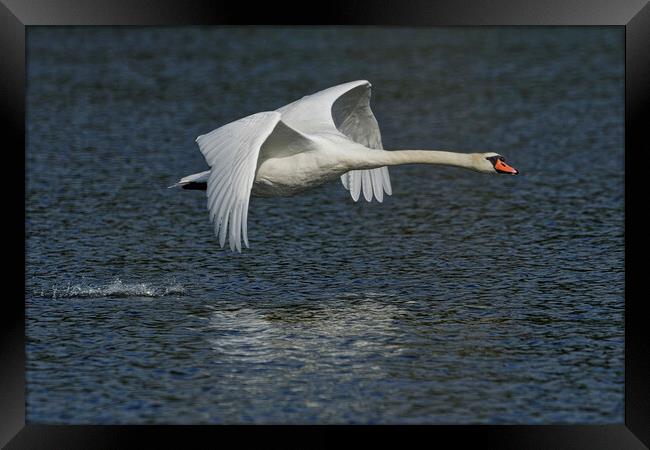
332,133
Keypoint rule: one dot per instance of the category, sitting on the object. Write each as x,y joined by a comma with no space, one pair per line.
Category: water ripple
117,288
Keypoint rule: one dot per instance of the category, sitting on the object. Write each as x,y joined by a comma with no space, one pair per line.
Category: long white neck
370,159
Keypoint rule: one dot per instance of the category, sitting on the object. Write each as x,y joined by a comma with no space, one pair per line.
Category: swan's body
317,139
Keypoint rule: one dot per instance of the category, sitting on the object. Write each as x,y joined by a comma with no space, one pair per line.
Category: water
463,298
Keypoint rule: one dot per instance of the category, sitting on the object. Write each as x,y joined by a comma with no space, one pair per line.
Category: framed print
411,216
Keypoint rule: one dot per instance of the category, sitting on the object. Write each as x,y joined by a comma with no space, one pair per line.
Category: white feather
232,151
344,108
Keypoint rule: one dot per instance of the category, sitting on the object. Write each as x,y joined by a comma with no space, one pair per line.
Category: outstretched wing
232,152
344,108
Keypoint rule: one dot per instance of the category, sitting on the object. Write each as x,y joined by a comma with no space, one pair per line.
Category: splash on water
117,288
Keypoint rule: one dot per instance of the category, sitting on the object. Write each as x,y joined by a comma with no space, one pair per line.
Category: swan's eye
494,159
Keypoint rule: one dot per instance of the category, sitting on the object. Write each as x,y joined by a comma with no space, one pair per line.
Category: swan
319,138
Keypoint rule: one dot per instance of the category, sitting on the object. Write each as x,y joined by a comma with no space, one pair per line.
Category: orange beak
502,167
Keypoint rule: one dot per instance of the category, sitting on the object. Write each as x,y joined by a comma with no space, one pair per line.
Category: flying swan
330,134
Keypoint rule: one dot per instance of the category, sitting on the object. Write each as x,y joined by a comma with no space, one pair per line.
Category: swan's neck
378,158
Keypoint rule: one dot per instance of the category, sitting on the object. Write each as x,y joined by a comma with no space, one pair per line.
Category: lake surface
463,298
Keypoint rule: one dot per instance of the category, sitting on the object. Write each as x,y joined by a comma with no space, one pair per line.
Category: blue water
463,298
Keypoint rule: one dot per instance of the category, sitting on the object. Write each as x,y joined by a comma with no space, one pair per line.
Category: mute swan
332,133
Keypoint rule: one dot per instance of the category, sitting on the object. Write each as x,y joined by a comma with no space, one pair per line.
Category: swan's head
494,163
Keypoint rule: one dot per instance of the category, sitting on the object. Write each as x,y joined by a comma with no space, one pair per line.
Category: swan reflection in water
297,333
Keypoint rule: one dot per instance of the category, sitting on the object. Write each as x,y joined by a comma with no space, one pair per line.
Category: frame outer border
16,14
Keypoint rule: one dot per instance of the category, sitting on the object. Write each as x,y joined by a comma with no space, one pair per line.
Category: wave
116,288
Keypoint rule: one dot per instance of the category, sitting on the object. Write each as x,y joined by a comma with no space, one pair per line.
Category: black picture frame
16,15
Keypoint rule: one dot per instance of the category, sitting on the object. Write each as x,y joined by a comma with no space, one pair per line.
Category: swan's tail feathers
196,181
372,182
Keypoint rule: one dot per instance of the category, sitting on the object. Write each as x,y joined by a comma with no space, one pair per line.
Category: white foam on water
116,288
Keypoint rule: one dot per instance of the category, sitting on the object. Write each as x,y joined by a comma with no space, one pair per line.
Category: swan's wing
313,113
345,109
232,152
354,118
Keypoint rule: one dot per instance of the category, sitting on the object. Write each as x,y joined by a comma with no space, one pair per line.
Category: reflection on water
356,331
463,298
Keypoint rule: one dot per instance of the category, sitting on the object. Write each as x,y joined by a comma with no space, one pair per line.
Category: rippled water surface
463,298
